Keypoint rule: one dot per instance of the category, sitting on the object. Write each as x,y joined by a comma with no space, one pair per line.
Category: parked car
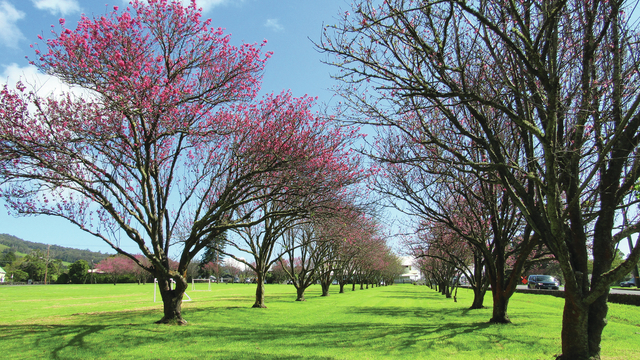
543,282
628,283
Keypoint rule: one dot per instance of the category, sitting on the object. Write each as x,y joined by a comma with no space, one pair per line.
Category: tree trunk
479,281
300,293
597,321
447,292
575,339
478,297
325,287
172,300
341,288
260,291
500,305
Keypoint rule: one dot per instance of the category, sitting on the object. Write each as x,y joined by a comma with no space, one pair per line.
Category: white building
411,271
2,274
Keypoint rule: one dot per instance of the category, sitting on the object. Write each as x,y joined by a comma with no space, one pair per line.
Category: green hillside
67,255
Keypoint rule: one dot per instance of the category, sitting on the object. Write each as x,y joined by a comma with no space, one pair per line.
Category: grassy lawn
402,321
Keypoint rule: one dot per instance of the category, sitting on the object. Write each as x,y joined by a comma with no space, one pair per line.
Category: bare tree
560,77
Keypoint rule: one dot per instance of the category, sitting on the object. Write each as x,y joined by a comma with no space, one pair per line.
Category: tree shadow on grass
403,311
109,334
56,338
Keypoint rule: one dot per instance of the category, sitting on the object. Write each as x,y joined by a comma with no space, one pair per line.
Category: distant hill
56,252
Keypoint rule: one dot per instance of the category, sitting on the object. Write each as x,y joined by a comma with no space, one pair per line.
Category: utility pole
46,265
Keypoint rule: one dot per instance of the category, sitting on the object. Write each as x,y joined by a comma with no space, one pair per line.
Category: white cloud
206,5
10,34
62,7
274,24
42,84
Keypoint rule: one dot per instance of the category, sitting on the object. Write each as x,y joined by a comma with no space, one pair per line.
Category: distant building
2,274
411,272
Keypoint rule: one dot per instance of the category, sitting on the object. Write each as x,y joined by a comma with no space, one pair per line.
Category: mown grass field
402,322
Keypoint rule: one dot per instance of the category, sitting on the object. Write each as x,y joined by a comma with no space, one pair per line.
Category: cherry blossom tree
334,231
140,272
169,144
278,272
350,232
560,77
440,267
482,215
392,269
116,266
370,260
267,242
421,182
323,171
303,256
211,268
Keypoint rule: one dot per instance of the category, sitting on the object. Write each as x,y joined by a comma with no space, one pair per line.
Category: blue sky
287,25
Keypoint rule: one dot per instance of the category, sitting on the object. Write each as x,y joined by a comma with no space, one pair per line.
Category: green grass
403,322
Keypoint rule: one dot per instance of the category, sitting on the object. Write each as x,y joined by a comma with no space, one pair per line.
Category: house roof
2,271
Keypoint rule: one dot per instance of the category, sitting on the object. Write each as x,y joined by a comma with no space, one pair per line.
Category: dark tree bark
172,300
325,287
500,304
559,76
479,282
259,303
300,293
478,298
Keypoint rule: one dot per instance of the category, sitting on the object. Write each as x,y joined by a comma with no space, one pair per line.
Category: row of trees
343,249
522,115
168,147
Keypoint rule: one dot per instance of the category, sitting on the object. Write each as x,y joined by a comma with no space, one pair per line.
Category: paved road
629,291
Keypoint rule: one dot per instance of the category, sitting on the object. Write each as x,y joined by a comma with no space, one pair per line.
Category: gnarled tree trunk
500,305
325,287
478,298
172,300
575,319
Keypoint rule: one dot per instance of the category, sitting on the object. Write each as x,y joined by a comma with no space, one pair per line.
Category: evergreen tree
212,252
